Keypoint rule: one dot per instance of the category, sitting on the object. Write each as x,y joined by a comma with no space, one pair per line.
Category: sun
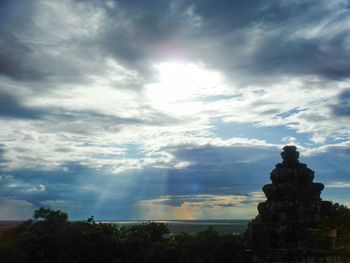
182,86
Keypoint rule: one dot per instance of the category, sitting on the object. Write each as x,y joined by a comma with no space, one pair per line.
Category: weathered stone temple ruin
289,218
293,206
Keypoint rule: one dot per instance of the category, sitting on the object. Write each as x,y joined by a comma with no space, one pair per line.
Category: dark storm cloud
40,49
225,31
269,28
11,107
15,58
234,170
303,57
139,33
342,108
221,170
330,165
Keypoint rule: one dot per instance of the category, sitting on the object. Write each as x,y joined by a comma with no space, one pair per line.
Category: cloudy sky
172,109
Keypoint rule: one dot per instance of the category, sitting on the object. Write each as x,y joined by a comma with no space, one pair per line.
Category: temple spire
293,206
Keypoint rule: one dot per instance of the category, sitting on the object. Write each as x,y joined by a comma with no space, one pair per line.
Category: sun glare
181,86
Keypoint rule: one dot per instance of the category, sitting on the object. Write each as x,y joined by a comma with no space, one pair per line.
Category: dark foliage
50,237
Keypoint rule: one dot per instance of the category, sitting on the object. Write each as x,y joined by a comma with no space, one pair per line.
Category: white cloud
311,151
36,189
12,185
338,185
182,165
289,140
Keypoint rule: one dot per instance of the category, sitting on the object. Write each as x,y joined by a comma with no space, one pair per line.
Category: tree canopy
50,237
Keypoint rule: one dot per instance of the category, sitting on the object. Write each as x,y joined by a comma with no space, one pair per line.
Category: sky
174,109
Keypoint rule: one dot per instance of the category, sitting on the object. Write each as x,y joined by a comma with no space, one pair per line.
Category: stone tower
293,208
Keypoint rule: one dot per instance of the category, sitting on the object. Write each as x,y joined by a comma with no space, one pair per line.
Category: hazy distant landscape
194,226
174,226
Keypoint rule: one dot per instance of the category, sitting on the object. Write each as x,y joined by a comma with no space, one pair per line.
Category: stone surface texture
293,209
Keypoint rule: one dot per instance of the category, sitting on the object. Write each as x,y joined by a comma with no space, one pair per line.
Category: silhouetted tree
49,215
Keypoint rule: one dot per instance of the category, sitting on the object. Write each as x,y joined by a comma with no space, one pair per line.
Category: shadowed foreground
51,237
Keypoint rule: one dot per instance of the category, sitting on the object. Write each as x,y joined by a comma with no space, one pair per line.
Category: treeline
50,237
334,231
